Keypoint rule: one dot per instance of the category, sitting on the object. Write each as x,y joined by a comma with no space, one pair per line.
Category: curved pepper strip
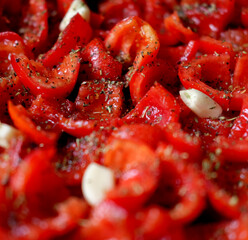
142,79
76,35
58,82
240,126
36,168
140,132
157,107
109,221
100,100
184,142
68,214
98,63
81,128
133,41
191,74
226,182
138,167
188,183
22,121
10,42
174,26
224,230
34,26
207,19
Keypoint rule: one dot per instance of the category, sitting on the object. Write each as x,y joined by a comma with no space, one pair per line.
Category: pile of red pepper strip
107,91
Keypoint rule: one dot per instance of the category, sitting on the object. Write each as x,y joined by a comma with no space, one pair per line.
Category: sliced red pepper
109,221
207,18
155,223
34,26
226,182
81,128
116,10
58,82
237,37
66,216
187,200
99,100
36,179
142,79
240,74
207,129
234,150
133,41
184,142
10,43
138,166
224,230
174,25
74,157
199,72
76,35
240,126
157,107
140,132
22,121
63,6
98,63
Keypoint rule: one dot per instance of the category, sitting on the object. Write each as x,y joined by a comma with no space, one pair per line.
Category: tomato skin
99,63
57,82
70,39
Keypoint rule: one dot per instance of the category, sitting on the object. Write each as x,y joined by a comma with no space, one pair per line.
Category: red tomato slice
76,35
58,82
